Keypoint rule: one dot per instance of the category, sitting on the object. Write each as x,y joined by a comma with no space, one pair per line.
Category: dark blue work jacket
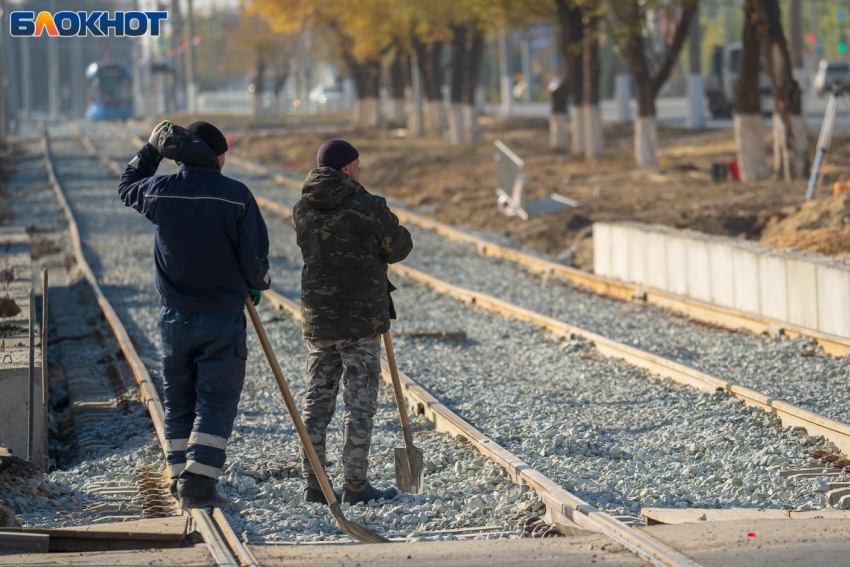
211,240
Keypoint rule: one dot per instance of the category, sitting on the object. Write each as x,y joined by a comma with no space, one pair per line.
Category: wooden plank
654,516
172,528
22,542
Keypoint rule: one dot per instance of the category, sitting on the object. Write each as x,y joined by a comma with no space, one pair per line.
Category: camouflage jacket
347,237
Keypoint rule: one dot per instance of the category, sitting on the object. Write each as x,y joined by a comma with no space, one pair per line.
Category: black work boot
368,493
198,491
315,494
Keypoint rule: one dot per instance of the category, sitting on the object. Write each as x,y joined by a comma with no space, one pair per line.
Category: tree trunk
397,116
590,83
647,85
749,127
429,58
475,56
575,73
789,132
459,54
559,127
259,84
696,90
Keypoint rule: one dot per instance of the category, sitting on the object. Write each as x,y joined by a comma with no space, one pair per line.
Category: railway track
790,415
563,508
433,409
223,544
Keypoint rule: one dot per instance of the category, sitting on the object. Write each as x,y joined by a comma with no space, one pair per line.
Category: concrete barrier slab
802,284
656,260
602,249
620,252
722,273
677,264
699,268
833,299
745,265
773,291
637,254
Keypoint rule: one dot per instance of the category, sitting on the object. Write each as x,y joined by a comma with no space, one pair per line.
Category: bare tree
629,30
790,144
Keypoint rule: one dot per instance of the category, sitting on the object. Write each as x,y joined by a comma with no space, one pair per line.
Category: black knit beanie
211,135
336,154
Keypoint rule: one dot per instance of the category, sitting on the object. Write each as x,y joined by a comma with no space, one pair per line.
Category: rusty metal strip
565,507
214,540
790,415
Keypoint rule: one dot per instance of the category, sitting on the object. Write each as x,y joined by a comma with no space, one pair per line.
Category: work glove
154,139
256,296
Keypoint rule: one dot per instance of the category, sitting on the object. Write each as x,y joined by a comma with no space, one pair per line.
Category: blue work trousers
203,369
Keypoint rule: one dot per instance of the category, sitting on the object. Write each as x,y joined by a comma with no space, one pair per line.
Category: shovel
356,531
409,460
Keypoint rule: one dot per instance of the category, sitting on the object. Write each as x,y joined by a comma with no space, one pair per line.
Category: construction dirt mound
821,225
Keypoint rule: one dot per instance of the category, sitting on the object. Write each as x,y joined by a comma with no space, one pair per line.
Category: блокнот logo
98,24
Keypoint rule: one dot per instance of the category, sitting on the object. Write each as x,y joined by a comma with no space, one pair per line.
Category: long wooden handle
318,470
399,398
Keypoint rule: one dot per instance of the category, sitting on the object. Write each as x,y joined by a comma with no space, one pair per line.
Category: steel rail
789,414
216,533
566,509
729,318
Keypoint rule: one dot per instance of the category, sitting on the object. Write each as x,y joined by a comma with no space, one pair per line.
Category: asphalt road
673,111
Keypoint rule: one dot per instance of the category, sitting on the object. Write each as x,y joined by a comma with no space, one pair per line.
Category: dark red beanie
336,154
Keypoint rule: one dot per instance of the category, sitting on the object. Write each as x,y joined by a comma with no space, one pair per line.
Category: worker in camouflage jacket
347,237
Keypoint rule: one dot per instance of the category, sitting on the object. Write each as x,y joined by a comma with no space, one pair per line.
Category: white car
830,74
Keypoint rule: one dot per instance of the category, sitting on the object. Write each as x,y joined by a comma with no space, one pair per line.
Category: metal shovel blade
409,469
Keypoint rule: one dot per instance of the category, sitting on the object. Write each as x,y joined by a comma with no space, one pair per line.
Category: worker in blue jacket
211,253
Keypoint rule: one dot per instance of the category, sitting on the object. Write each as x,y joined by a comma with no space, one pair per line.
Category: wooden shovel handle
318,470
399,398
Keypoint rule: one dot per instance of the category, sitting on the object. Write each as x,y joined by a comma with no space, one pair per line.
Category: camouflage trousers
357,362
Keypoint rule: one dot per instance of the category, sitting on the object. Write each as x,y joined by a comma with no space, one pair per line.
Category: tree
790,144
591,70
629,30
571,28
749,126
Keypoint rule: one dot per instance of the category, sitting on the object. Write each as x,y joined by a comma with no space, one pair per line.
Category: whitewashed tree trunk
358,112
456,133
369,117
397,115
437,117
593,141
749,139
789,155
696,103
559,131
472,132
577,131
646,141
622,90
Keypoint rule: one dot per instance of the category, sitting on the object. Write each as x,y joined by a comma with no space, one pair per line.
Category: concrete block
22,542
745,266
677,264
602,249
833,299
835,495
699,268
656,259
773,291
722,271
802,290
14,409
637,235
620,252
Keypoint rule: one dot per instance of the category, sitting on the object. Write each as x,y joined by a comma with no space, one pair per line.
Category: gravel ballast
616,436
465,489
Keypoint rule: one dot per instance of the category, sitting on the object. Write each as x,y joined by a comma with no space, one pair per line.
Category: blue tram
109,91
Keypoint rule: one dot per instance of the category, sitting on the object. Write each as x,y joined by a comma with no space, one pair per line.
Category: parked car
831,74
